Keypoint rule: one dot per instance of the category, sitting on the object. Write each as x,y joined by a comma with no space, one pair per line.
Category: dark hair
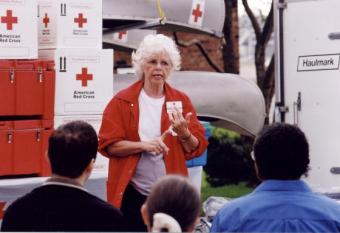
176,196
281,152
71,148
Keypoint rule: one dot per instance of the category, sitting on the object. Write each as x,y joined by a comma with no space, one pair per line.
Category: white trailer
307,35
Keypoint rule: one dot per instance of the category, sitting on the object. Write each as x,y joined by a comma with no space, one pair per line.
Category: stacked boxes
26,92
70,24
18,29
70,33
26,115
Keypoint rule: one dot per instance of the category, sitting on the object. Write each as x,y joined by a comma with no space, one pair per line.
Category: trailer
307,36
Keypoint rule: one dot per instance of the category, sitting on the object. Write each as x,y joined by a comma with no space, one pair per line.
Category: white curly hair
152,44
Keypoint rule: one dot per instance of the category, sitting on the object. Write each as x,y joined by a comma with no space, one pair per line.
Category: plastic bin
201,160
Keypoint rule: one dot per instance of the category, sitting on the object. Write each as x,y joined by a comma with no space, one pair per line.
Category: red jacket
120,122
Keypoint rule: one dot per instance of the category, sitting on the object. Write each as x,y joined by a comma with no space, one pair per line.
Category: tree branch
253,20
268,83
268,27
201,48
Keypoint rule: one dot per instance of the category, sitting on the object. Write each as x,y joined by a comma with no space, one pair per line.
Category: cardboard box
70,24
102,163
84,80
18,29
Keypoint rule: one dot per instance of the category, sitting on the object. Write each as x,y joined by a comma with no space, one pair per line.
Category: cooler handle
9,137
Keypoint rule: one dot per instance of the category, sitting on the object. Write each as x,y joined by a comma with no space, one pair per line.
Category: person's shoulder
108,217
323,200
237,204
23,203
174,92
125,95
102,206
231,213
130,91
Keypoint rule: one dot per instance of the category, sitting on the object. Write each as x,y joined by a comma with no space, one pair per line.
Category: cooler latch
9,137
11,75
38,136
40,75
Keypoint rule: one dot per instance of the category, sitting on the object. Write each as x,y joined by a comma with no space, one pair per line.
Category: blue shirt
279,206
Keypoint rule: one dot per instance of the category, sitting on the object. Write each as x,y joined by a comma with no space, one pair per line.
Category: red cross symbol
80,20
121,34
197,13
9,20
46,20
84,77
2,212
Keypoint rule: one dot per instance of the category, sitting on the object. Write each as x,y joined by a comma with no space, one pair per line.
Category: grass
230,191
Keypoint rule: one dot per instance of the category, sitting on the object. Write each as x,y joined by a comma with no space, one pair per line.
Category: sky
263,5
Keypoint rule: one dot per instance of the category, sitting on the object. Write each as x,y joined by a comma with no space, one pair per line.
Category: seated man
62,203
282,202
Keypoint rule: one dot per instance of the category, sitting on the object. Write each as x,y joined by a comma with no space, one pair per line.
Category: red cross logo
2,212
46,20
197,12
121,34
9,20
84,77
80,20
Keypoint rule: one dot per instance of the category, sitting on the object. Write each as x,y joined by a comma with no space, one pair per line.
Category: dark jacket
60,208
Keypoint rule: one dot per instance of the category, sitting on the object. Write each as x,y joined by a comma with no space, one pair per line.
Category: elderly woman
148,130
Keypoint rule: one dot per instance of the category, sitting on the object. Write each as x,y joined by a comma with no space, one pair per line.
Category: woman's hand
157,146
180,125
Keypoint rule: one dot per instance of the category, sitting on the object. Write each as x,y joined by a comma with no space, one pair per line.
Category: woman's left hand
180,125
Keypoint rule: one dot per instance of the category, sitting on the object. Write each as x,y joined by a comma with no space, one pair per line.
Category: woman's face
157,68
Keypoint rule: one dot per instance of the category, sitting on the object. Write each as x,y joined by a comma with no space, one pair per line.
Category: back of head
175,196
281,152
71,148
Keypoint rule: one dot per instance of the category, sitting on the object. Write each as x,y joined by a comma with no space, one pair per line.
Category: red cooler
23,147
27,88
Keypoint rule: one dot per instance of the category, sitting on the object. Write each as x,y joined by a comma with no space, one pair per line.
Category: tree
231,55
264,74
230,47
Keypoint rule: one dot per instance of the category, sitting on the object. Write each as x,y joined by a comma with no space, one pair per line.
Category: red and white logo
120,36
84,77
46,20
80,20
197,12
9,19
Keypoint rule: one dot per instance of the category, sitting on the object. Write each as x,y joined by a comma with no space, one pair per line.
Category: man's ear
258,174
145,216
90,166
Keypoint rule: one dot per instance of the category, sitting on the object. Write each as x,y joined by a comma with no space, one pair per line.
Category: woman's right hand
126,148
155,146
